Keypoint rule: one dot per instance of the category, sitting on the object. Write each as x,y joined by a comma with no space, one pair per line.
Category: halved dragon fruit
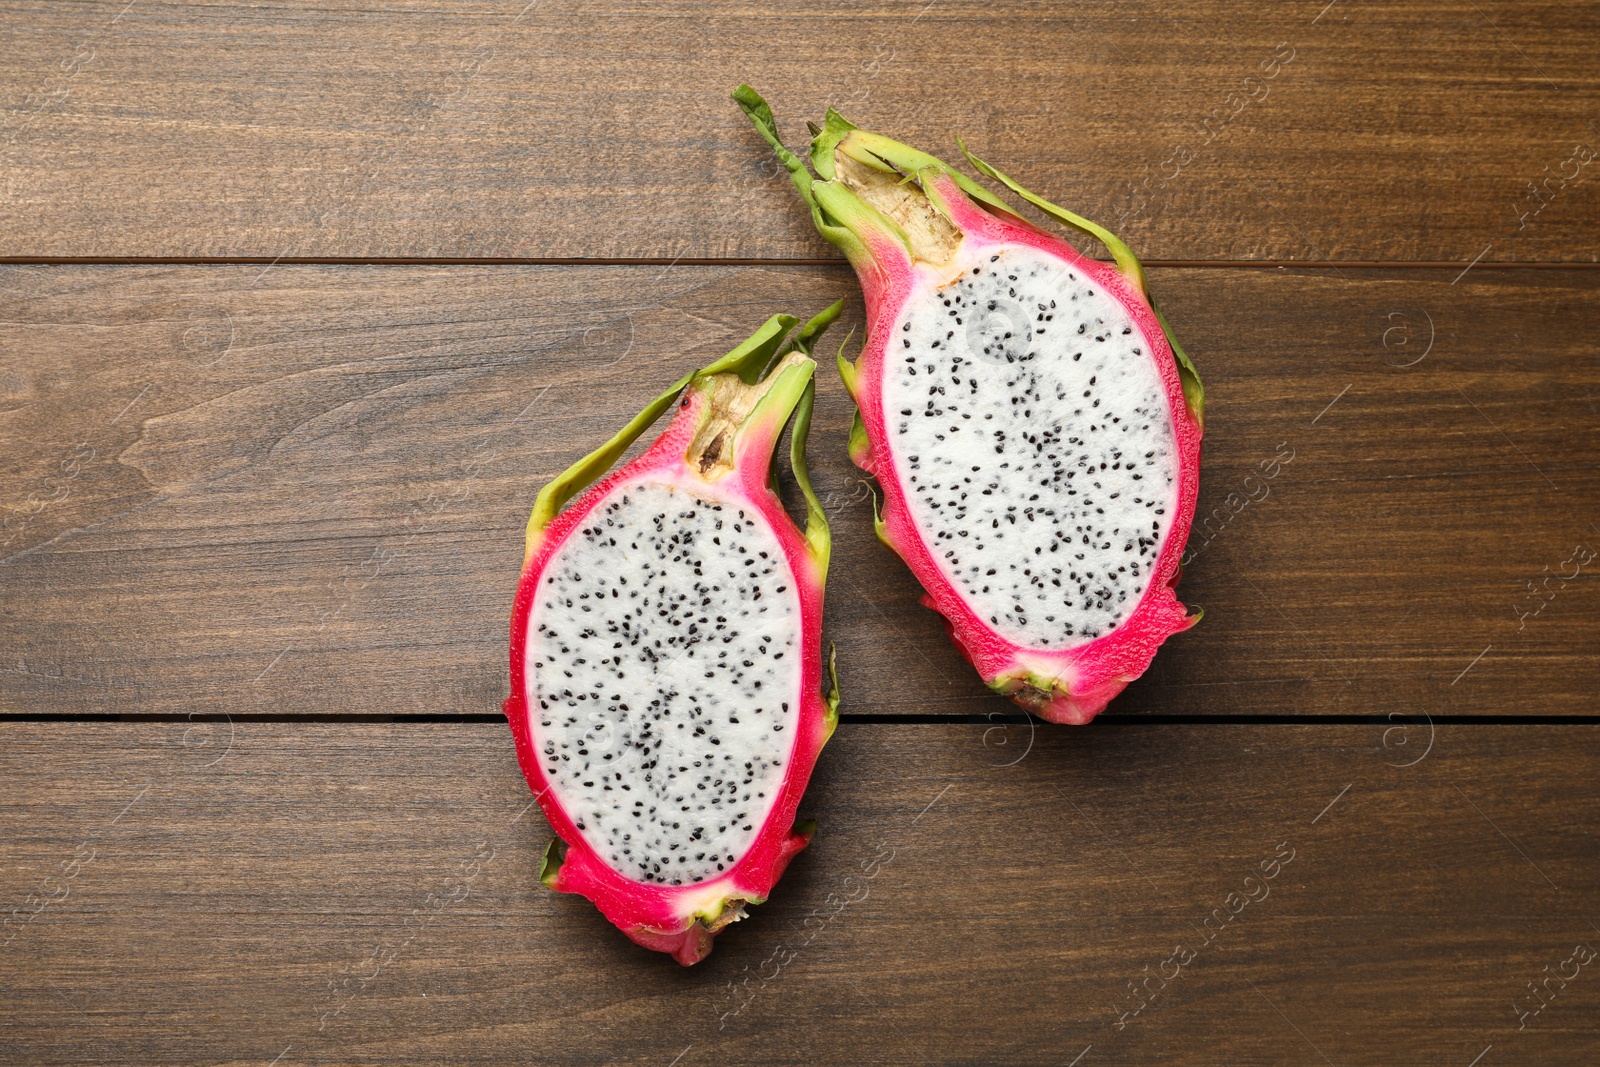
1032,422
666,653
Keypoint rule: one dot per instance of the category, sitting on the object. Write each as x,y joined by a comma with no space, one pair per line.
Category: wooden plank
218,902
303,491
424,128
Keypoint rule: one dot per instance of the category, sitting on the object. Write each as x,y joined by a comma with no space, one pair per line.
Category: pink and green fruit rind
1071,685
681,920
1074,685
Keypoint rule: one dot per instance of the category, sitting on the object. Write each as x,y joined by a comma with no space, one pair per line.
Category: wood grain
295,493
301,492
237,889
590,129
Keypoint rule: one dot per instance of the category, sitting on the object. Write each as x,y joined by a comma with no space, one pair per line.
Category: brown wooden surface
236,887
303,491
248,505
582,129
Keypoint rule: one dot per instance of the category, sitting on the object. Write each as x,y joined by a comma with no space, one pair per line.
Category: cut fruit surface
667,699
1033,424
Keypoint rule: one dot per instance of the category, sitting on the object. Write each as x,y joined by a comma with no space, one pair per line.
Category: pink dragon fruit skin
714,464
917,233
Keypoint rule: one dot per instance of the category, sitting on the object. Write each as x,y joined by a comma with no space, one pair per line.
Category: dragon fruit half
666,653
1032,422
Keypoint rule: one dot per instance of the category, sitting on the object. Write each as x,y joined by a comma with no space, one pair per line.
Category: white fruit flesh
1032,433
664,667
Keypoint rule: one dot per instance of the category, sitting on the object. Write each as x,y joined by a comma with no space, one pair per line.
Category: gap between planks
519,261
994,718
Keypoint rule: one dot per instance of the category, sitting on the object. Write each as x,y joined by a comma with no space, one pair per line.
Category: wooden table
302,304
